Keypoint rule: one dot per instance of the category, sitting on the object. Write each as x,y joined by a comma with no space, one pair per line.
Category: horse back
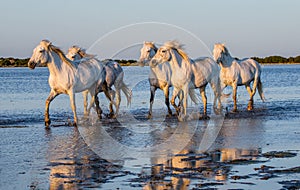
249,70
204,69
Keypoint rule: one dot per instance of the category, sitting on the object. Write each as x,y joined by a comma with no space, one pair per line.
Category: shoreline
134,64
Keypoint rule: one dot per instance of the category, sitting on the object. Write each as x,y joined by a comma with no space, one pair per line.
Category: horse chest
229,77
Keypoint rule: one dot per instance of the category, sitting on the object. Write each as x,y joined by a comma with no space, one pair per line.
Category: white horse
114,77
238,72
159,76
189,74
67,77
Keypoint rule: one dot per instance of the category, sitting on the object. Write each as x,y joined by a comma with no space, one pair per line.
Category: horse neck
177,61
56,65
227,60
152,54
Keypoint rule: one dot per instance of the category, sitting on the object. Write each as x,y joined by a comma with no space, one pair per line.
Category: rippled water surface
132,152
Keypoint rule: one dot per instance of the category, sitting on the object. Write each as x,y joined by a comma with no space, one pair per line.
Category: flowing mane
61,55
178,47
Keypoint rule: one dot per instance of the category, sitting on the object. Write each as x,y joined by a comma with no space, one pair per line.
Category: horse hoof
204,117
181,117
111,116
169,115
47,123
149,116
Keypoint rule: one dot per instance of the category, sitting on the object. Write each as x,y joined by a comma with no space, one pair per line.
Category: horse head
77,53
170,50
40,54
74,53
162,55
219,51
147,52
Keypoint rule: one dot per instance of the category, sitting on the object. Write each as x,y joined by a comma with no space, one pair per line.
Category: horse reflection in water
73,165
189,166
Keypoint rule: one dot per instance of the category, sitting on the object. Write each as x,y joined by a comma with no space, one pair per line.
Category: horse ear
48,43
45,43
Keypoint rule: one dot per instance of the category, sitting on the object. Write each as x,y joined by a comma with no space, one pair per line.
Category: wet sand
256,149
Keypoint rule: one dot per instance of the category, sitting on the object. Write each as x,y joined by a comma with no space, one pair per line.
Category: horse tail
127,92
193,96
260,90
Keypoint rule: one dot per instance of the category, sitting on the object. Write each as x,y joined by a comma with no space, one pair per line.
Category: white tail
127,92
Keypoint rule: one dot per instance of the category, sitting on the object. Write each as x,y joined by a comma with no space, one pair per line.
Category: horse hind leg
234,90
109,93
250,103
167,102
73,106
152,95
98,108
118,101
216,86
174,95
204,100
85,104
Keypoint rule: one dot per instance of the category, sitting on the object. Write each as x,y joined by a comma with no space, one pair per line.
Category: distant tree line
277,59
15,62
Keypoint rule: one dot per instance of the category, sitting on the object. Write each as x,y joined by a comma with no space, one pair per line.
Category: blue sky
248,28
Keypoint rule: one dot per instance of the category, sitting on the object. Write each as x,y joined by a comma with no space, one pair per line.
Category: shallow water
133,152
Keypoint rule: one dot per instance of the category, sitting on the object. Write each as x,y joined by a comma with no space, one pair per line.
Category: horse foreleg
73,106
152,95
51,96
167,102
204,100
234,89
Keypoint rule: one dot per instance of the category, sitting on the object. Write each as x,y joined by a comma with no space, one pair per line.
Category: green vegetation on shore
277,59
15,62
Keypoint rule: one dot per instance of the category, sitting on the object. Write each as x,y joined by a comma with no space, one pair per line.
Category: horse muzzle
153,63
31,64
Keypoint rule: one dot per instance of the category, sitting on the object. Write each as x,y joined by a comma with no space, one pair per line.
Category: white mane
178,47
222,48
81,52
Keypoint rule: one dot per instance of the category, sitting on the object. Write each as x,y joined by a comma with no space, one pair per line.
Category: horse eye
163,51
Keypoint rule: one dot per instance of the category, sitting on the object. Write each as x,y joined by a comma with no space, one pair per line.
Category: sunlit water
64,157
